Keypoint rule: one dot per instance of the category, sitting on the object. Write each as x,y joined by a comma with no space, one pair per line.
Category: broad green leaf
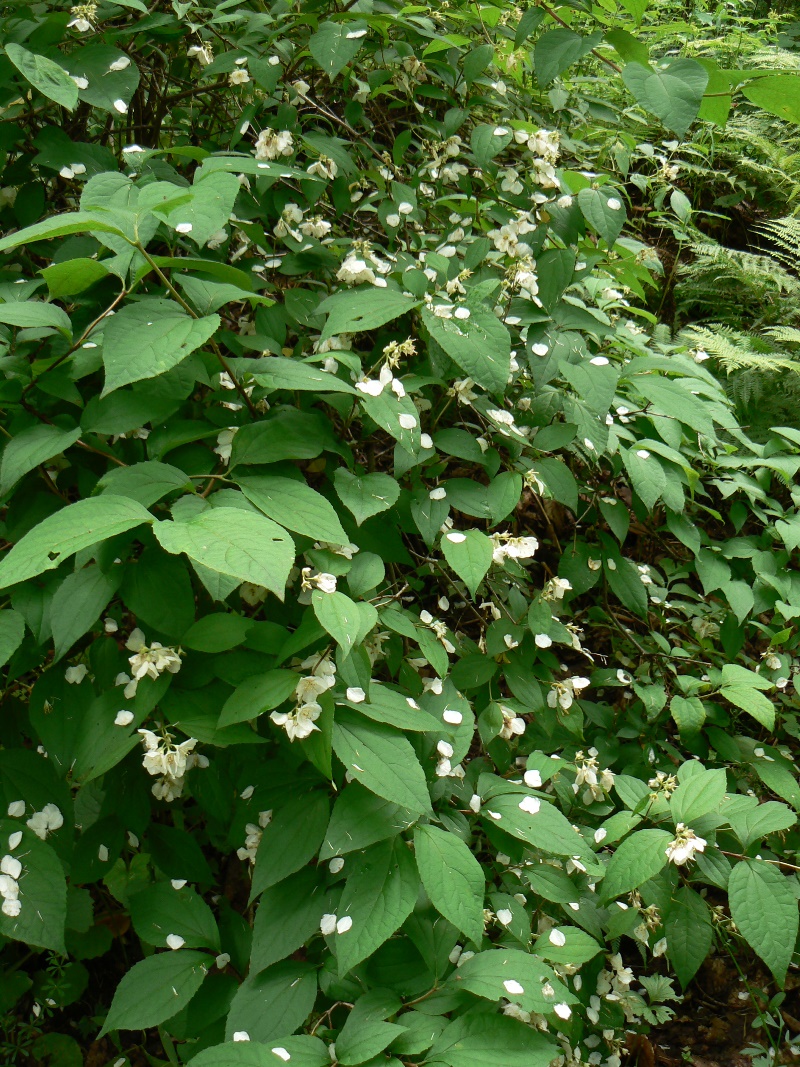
452,877
77,526
209,207
386,705
61,226
160,910
605,214
752,701
217,632
764,908
698,796
12,630
334,44
363,1040
381,890
30,447
486,973
546,828
146,482
273,1002
357,311
233,542
558,49
638,859
480,345
256,694
155,989
303,1051
689,933
288,914
766,818
469,554
778,94
578,947
476,1040
287,434
688,713
360,819
94,62
295,506
365,495
382,760
343,618
148,338
277,372
42,889
208,296
35,314
73,276
625,581
290,840
45,75
673,94
78,602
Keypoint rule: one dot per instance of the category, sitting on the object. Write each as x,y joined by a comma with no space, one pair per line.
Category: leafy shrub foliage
398,624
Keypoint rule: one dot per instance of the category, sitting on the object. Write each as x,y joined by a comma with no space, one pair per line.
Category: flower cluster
597,783
302,721
686,843
507,547
45,821
562,694
170,762
253,839
10,871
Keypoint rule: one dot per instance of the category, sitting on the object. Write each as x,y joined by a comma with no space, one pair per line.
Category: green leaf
648,477
477,1040
155,989
638,859
303,1050
485,973
288,914
60,226
42,889
43,74
12,630
294,505
626,583
364,1040
379,895
27,449
360,819
382,760
106,85
698,795
469,554
277,372
73,276
558,49
766,818
287,434
240,544
160,910
148,338
764,908
209,207
673,94
452,877
342,618
69,530
480,345
688,713
357,311
365,495
35,314
778,94
146,482
752,701
274,1002
546,829
333,45
689,933
257,694
290,840
78,602
578,947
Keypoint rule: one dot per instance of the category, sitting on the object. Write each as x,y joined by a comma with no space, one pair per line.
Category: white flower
123,718
299,723
322,580
355,270
439,493
203,53
327,924
344,924
272,145
323,168
150,661
75,675
475,803
683,848
238,77
11,866
46,820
